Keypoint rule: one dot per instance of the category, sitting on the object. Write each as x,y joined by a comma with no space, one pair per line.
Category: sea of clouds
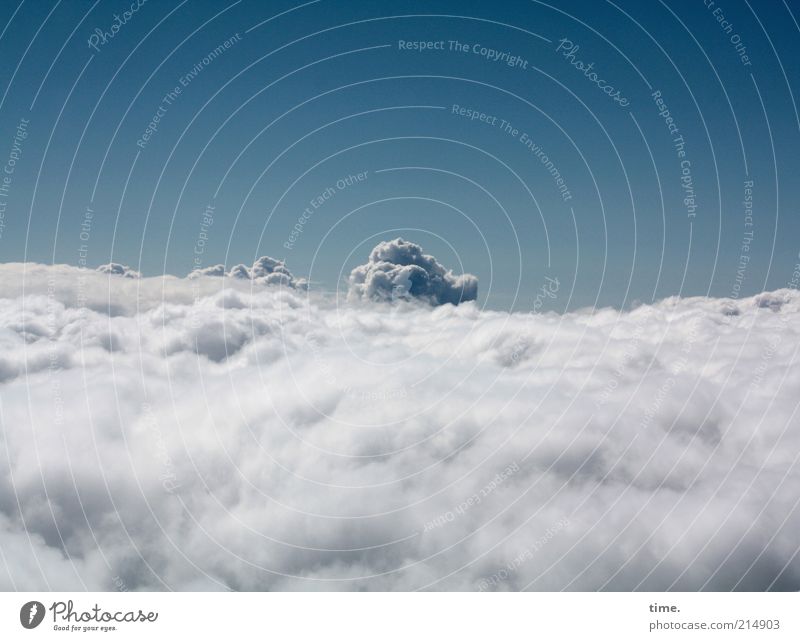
215,432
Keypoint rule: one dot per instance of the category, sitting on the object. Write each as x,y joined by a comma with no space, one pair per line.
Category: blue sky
305,95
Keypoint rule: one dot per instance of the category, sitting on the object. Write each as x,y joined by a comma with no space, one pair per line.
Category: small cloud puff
266,270
211,270
119,270
398,269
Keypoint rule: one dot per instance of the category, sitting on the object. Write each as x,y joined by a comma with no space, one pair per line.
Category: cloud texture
265,271
203,434
118,269
399,270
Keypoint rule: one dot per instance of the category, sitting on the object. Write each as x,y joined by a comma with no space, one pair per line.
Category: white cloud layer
207,434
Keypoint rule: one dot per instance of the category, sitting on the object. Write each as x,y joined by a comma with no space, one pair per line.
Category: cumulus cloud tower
398,269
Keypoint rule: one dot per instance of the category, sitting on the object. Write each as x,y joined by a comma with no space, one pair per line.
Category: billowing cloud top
265,270
167,433
118,269
211,270
398,269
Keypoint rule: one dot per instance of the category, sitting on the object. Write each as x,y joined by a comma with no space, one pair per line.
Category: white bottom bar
403,616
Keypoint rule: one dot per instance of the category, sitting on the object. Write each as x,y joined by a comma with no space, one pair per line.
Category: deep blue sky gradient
322,92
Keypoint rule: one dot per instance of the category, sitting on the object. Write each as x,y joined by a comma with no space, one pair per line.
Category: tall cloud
398,269
170,433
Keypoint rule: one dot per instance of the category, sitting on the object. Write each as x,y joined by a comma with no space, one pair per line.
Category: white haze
219,433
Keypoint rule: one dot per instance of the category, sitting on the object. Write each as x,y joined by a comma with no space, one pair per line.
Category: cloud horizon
200,433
